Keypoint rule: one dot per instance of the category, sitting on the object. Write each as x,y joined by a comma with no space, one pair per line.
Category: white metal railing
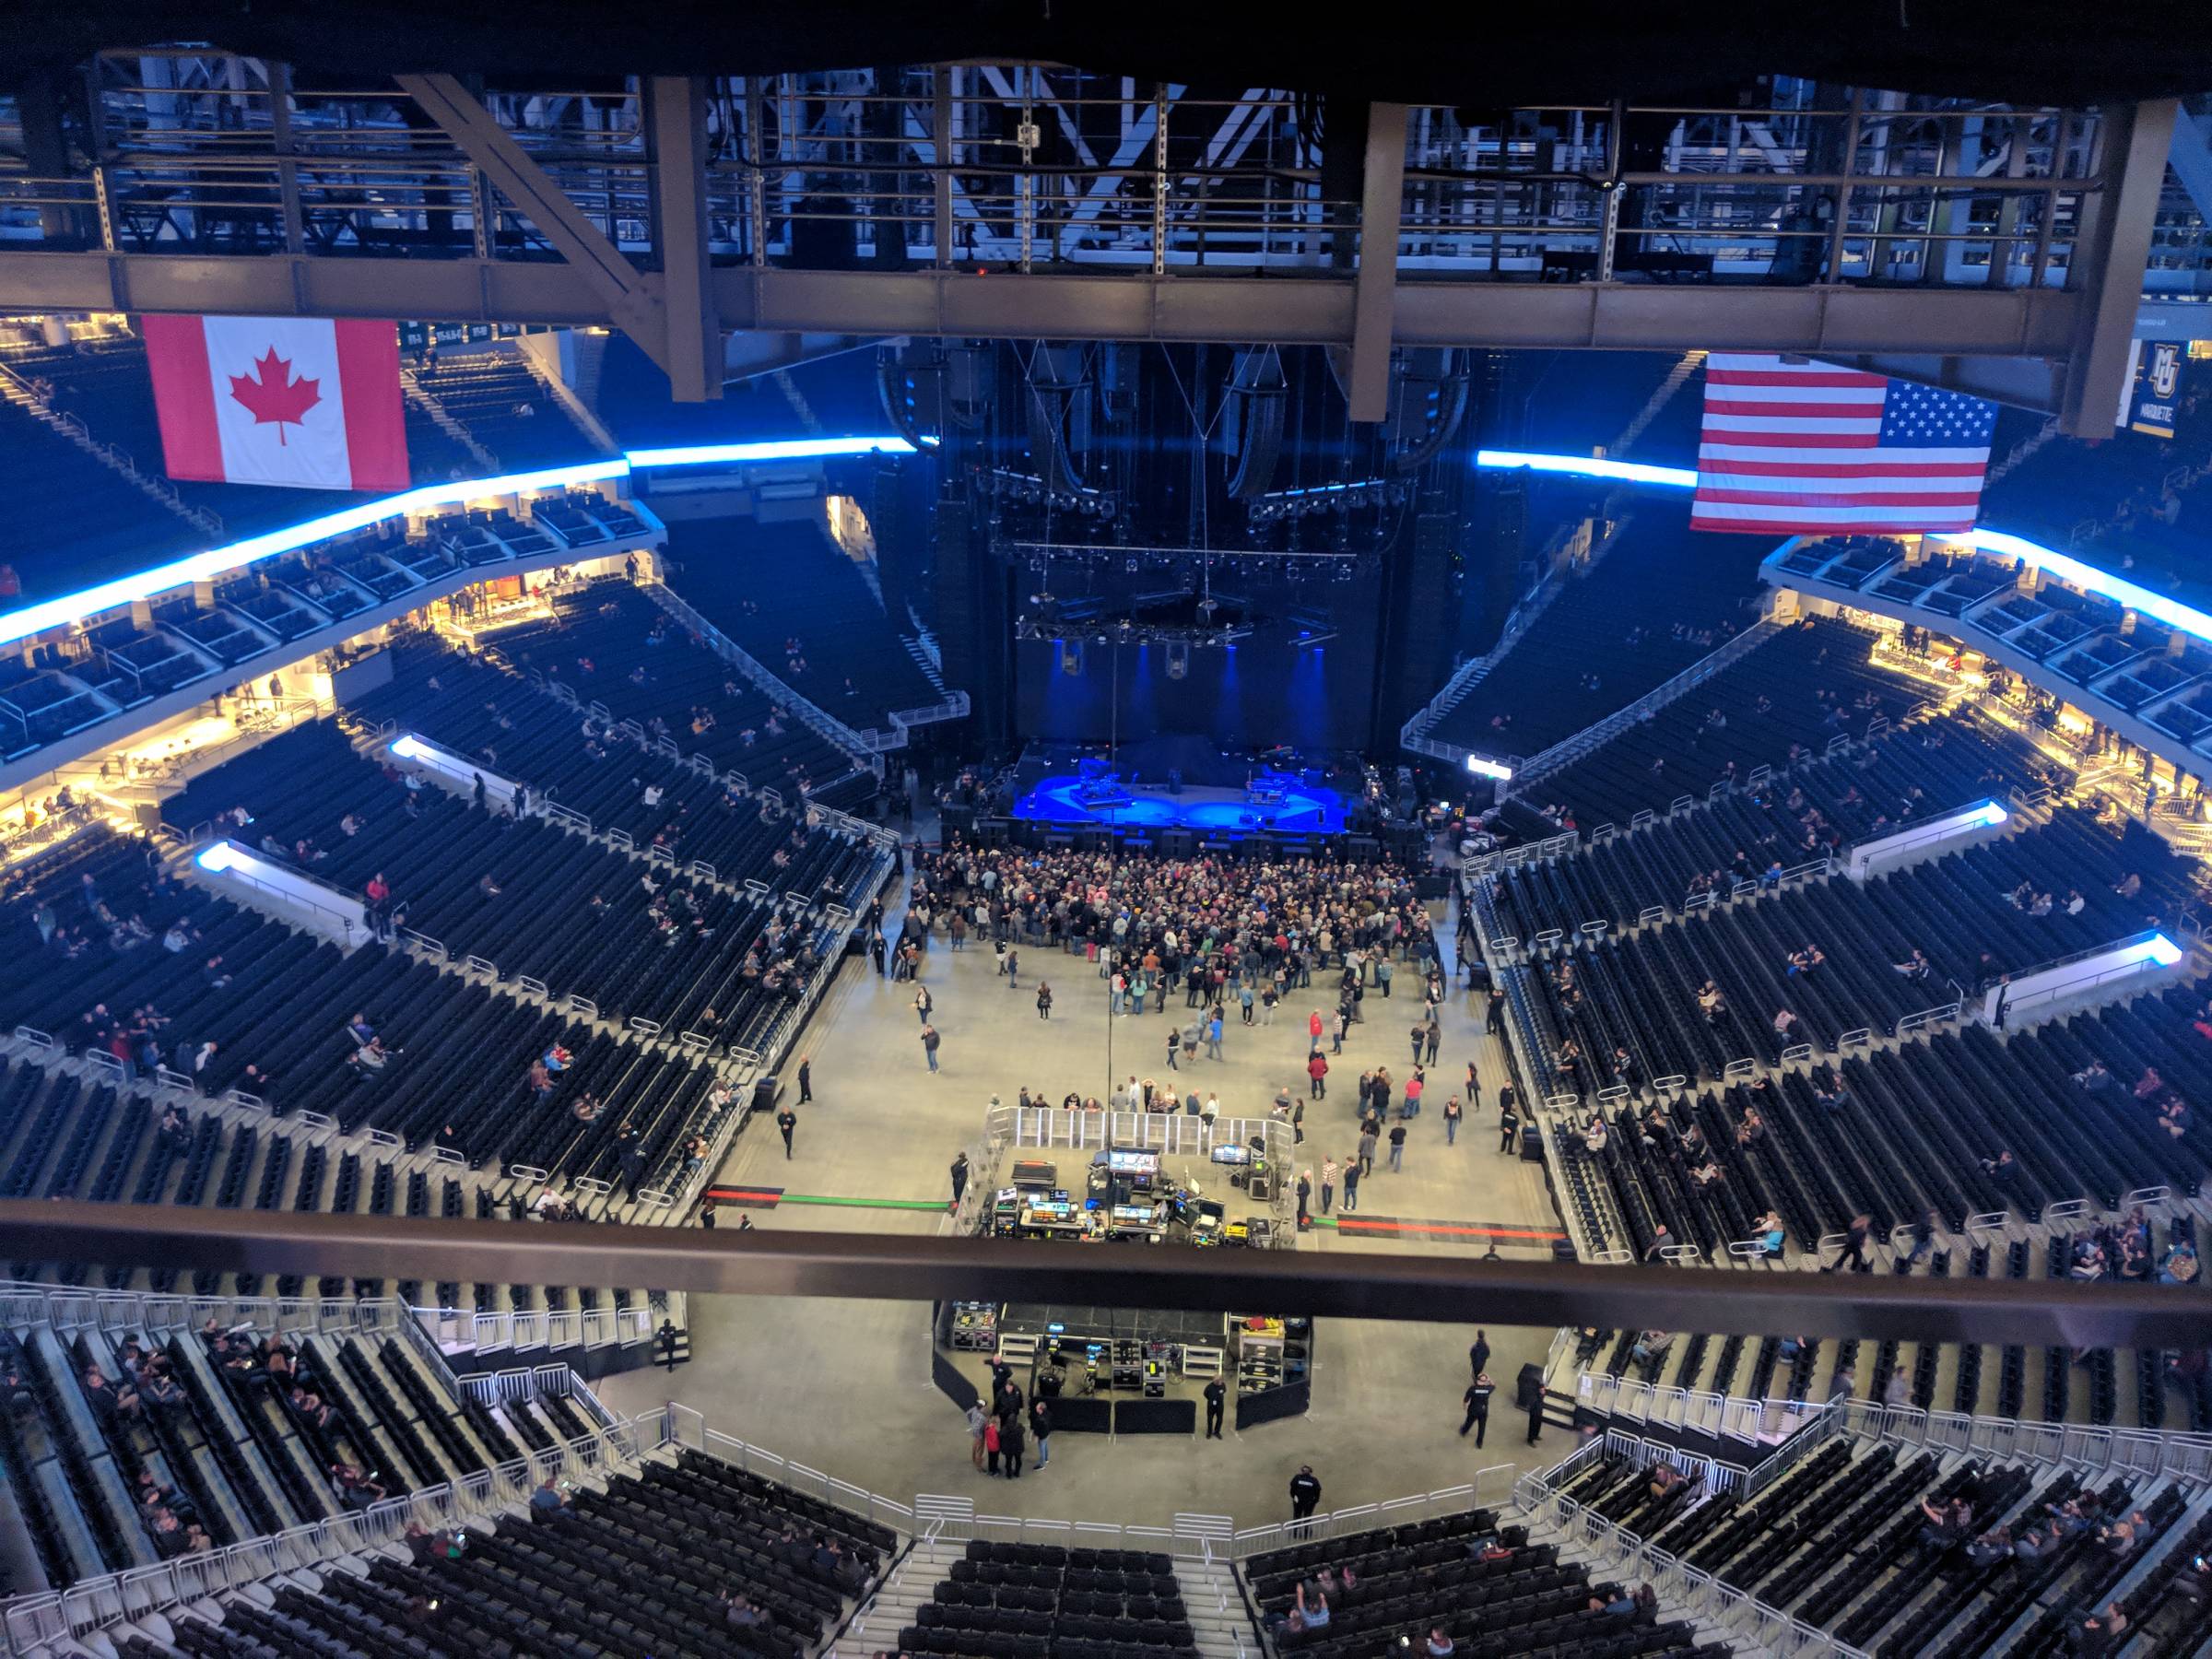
678,1425
2184,1458
826,724
1570,749
1491,1487
1558,557
1680,1586
35,1622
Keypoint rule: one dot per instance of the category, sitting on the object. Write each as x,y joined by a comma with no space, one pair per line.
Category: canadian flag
303,401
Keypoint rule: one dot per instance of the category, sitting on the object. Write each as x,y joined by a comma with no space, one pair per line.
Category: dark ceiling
1480,55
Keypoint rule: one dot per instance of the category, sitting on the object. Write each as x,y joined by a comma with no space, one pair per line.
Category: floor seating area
793,600
1652,991
1012,1599
1792,697
1485,1586
276,1005
1661,597
634,940
612,645
647,1565
504,408
1791,819
1904,1553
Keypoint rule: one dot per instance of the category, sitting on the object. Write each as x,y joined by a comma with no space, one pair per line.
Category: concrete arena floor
844,1386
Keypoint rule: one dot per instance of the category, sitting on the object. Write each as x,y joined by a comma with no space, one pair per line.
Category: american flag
1805,447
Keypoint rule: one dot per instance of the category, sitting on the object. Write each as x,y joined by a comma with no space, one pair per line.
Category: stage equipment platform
1289,807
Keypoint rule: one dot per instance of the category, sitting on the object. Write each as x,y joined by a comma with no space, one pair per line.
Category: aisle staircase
1677,378
16,390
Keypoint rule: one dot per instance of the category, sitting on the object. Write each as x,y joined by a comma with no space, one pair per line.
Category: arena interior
908,782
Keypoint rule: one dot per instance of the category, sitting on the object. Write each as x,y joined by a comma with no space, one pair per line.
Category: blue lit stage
1285,806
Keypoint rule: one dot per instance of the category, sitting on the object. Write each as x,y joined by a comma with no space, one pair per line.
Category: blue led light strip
2064,566
126,590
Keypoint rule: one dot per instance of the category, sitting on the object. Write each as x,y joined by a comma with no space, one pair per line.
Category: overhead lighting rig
1349,496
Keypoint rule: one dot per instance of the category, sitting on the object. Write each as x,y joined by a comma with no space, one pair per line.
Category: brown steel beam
632,297
905,1269
2111,255
1374,287
678,108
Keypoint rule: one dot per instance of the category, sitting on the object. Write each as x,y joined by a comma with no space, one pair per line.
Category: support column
677,110
1374,287
2110,257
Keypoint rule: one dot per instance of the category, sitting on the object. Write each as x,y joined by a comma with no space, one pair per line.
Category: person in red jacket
1317,1070
1313,1027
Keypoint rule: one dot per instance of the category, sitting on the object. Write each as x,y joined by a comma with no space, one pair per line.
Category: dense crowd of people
1185,922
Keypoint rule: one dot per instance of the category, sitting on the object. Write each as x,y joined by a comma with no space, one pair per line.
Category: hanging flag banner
2158,390
303,402
1795,446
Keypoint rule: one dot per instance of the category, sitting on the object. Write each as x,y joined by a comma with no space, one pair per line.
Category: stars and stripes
1804,447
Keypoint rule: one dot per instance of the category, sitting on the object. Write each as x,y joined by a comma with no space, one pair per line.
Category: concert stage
1070,801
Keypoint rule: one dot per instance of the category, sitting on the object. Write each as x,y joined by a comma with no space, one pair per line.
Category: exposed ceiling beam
632,299
1838,322
676,107
2109,259
1374,287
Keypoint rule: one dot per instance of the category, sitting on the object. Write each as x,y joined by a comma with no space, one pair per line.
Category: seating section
1486,1587
2127,502
647,1565
1788,701
615,648
107,385
789,598
1004,1600
505,408
836,395
1787,820
533,898
1661,597
275,1005
1888,948
113,528
617,780
1901,1553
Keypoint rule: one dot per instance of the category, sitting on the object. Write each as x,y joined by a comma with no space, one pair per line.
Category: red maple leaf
272,393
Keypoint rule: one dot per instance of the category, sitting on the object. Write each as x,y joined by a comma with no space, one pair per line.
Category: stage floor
1304,809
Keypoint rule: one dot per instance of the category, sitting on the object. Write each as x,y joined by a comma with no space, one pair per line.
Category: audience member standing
929,1044
786,1121
806,1080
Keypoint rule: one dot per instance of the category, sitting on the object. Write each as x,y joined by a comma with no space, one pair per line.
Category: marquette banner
2158,390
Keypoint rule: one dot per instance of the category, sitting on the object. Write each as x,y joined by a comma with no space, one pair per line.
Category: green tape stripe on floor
900,1204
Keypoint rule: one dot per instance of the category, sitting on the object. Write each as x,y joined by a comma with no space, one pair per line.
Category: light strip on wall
2066,568
1589,466
777,448
199,566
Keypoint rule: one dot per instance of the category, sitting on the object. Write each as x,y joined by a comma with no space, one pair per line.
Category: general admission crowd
1180,922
